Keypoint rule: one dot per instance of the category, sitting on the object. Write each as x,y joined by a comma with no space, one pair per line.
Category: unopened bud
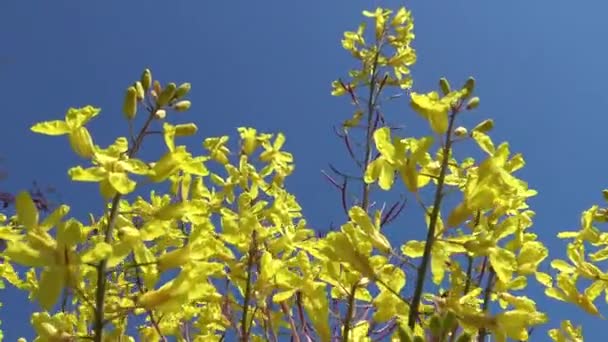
129,107
160,114
156,88
473,103
605,193
460,131
182,90
141,93
146,79
184,130
469,86
484,126
445,85
166,95
182,106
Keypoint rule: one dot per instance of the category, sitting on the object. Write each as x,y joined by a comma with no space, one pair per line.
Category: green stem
430,238
103,264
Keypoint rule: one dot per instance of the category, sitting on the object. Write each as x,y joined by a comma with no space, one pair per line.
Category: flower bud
460,131
469,87
160,114
473,103
166,95
445,86
129,107
605,193
185,130
182,90
156,89
182,106
141,93
484,126
146,79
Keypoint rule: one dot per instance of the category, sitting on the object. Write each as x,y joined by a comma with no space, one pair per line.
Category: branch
413,315
103,264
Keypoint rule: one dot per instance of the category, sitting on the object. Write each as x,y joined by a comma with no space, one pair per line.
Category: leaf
55,127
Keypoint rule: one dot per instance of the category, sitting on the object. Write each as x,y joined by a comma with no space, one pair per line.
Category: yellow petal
55,127
27,213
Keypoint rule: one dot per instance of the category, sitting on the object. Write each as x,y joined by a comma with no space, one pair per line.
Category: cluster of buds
170,96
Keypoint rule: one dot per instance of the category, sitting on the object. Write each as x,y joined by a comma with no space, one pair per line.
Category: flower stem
103,264
430,237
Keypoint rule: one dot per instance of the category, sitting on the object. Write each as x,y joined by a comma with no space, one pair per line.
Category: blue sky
540,69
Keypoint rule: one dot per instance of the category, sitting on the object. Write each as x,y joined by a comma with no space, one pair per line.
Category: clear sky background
540,68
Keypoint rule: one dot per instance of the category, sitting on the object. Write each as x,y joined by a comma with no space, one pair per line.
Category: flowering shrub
227,253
